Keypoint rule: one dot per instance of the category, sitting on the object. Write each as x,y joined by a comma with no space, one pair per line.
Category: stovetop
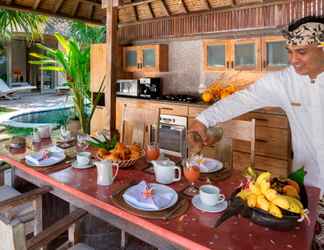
181,98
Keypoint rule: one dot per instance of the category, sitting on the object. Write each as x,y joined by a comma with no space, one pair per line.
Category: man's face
307,60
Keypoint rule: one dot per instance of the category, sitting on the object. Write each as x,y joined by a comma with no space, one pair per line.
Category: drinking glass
152,151
191,173
82,142
65,133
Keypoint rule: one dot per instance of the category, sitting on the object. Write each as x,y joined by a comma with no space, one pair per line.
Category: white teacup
210,195
165,171
83,158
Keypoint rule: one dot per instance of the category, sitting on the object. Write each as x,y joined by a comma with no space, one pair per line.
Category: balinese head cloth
310,33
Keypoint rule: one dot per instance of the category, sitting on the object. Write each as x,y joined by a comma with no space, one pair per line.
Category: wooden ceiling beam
36,4
151,9
8,2
166,7
136,13
135,4
208,4
185,6
90,2
75,8
57,6
47,12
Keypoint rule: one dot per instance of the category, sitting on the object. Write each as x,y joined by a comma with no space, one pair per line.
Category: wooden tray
178,209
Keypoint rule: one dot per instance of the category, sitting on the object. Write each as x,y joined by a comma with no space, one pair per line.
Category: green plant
15,21
74,61
105,144
87,34
19,131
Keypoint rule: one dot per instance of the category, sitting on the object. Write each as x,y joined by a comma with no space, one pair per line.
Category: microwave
150,87
127,87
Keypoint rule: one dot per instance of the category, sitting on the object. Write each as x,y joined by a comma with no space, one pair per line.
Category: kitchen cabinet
252,54
145,58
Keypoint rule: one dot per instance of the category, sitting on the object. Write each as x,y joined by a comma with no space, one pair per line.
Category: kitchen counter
200,104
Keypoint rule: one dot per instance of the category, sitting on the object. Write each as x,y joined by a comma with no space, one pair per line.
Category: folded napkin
207,164
54,155
160,197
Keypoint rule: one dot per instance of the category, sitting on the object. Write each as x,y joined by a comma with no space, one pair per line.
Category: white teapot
165,171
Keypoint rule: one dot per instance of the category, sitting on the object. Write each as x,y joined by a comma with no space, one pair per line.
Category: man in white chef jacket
298,90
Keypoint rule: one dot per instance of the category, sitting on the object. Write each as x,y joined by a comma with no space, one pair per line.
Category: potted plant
74,61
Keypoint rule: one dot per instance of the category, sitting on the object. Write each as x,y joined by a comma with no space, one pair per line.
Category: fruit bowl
263,218
122,163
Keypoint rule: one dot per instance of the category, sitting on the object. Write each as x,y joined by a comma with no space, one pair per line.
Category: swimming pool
52,117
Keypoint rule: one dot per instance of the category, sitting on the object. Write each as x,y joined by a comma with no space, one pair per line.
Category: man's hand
200,129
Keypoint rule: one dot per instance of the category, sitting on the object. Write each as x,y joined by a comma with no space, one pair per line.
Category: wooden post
110,97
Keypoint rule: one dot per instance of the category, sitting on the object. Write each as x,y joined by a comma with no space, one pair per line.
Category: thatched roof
86,10
130,11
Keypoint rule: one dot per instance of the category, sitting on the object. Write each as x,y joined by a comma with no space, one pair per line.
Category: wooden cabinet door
216,55
274,53
131,59
149,58
245,54
98,65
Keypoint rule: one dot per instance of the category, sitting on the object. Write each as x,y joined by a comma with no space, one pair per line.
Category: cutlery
174,210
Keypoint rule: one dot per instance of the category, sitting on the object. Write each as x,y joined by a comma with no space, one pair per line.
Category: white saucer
196,202
75,165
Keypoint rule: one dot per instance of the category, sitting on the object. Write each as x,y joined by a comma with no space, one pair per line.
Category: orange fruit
290,191
207,96
294,184
102,152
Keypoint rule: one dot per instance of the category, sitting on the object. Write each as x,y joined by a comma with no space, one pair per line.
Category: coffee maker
150,87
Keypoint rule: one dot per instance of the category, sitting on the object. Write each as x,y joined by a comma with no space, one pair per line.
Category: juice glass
152,151
191,173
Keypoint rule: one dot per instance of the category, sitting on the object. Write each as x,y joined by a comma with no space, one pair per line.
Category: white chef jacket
303,101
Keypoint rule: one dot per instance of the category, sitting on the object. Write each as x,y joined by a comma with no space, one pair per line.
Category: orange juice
152,152
191,173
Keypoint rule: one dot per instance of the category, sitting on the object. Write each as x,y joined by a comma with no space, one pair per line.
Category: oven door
172,139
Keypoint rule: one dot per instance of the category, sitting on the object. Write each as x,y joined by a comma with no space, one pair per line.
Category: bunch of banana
259,194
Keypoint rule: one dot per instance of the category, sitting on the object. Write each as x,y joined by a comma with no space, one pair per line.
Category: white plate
157,188
52,160
196,202
75,165
213,165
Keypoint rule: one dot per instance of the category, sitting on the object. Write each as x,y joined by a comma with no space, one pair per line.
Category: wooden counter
273,143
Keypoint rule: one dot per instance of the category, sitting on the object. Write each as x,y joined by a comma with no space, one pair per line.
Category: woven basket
125,163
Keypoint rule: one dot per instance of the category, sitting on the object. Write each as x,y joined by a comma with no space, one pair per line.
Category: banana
274,210
251,200
254,189
265,176
243,194
295,206
264,186
262,202
270,194
281,201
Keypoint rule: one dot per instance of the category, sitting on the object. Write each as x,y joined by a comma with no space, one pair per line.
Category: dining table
193,229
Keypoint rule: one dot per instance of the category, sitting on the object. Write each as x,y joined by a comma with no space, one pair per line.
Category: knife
173,210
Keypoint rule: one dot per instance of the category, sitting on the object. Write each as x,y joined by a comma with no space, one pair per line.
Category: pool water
56,116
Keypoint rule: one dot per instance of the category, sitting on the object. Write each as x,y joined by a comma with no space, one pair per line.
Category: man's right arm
266,92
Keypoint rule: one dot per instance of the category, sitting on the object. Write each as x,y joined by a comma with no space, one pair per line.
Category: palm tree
87,34
14,21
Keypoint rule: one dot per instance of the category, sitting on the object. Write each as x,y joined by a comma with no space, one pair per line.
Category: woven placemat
178,209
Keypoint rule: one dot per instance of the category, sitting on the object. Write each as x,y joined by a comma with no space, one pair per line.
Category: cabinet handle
261,140
227,64
138,65
232,64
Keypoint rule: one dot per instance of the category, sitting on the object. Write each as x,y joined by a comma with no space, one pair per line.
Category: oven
172,135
